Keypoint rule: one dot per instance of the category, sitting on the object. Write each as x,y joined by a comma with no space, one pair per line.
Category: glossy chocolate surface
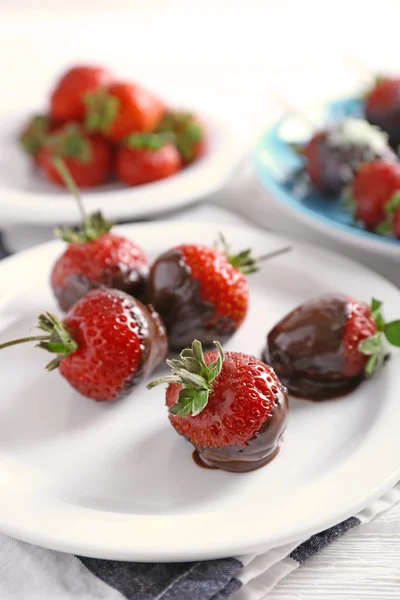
259,451
120,277
176,297
338,164
389,121
306,349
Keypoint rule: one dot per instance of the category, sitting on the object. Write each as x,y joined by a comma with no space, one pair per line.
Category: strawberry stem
373,346
244,261
92,226
57,340
195,376
33,338
70,184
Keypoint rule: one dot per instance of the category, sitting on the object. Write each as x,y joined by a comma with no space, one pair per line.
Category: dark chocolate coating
338,165
120,277
259,451
306,349
153,339
388,121
176,297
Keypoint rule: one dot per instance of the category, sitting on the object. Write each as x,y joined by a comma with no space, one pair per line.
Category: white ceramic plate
116,481
27,197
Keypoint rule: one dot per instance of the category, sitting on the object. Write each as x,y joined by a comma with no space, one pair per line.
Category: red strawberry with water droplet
231,407
326,346
106,344
95,257
200,292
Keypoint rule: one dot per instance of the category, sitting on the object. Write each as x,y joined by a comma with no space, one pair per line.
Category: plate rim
205,177
355,236
197,545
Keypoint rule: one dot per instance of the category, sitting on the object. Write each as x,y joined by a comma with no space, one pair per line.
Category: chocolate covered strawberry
231,407
106,344
95,257
200,292
382,107
333,155
326,346
372,191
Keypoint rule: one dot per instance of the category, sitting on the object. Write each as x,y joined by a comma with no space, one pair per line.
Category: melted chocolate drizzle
259,451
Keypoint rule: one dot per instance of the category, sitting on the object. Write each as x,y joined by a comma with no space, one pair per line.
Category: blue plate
276,162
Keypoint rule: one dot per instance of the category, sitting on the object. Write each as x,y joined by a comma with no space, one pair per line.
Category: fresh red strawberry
200,292
231,407
123,108
382,107
372,189
188,132
146,157
95,257
326,346
67,101
88,157
333,156
106,344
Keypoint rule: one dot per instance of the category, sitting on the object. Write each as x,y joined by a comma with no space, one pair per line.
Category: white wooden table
231,57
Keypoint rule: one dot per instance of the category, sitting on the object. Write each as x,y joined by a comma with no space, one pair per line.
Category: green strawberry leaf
371,345
183,407
192,372
392,333
393,204
199,402
384,228
372,364
376,311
